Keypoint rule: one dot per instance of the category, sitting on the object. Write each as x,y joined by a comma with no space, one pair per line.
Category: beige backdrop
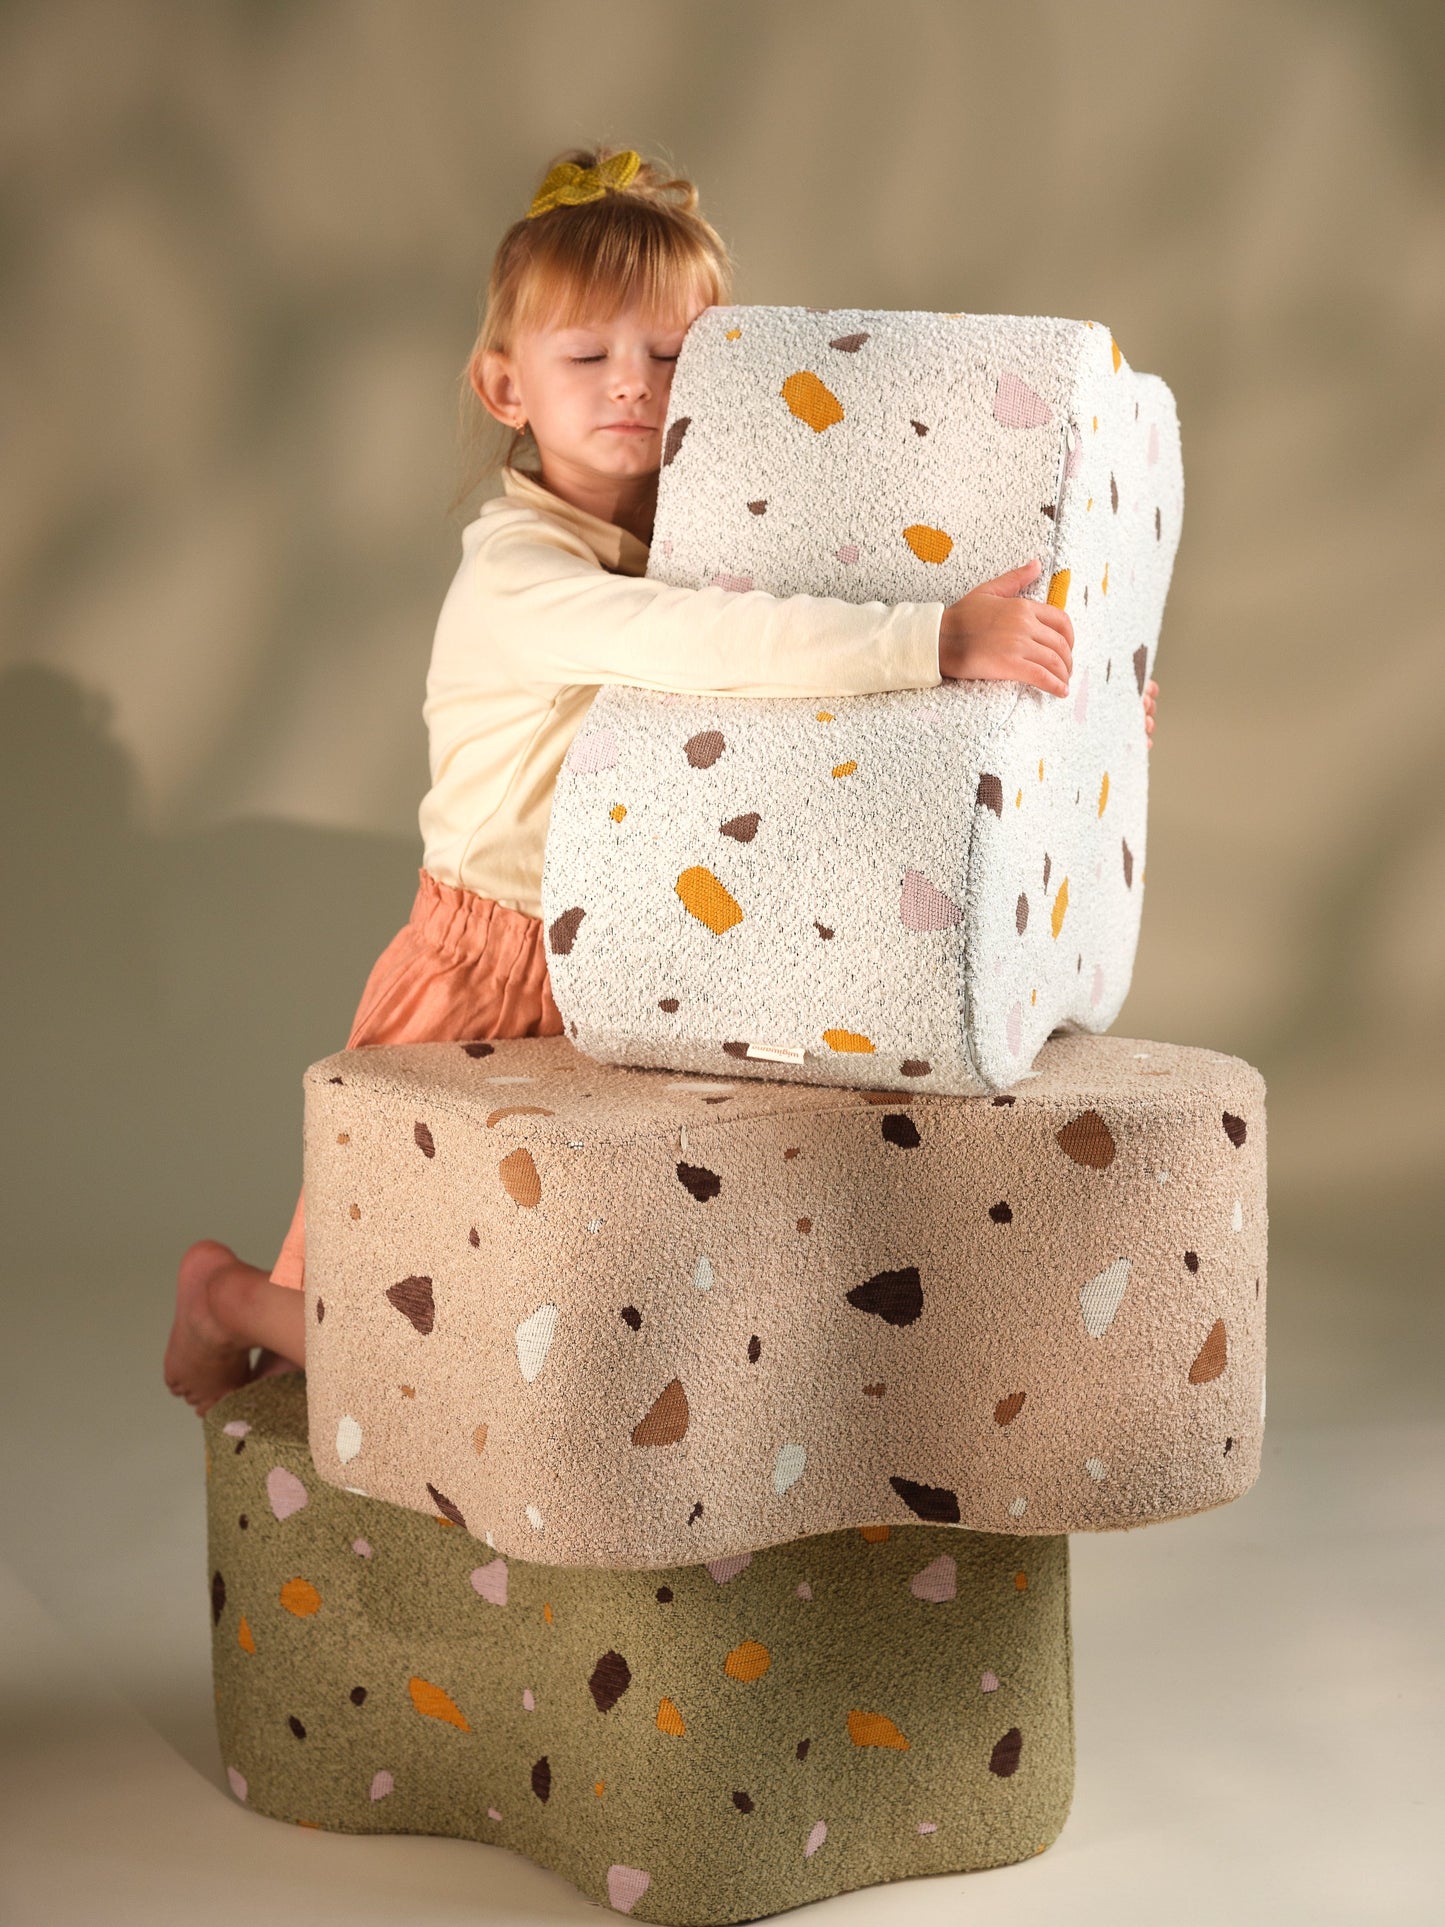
243,246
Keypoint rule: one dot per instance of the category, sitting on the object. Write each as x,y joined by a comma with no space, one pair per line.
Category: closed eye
601,357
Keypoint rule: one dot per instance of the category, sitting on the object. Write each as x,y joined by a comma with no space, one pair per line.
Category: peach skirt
460,969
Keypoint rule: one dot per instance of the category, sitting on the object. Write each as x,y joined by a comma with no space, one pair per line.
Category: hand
1151,695
995,634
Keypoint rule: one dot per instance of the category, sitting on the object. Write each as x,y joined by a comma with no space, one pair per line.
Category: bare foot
203,1360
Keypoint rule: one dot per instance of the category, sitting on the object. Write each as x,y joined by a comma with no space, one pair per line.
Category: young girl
588,301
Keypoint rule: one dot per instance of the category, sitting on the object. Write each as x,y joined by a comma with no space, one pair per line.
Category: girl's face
594,395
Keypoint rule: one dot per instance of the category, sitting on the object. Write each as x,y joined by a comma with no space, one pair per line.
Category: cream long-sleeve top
548,603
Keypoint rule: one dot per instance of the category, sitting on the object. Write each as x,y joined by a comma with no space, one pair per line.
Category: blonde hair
588,261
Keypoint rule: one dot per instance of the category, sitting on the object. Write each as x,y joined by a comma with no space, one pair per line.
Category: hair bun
582,174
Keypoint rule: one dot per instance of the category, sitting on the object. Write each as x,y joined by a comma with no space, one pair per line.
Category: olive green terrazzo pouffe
693,1744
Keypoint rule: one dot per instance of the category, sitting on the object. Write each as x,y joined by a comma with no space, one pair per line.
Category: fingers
1042,636
1012,580
1056,619
1057,679
1042,668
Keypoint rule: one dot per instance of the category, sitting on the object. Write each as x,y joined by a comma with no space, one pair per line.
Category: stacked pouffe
697,1404
614,1317
693,1743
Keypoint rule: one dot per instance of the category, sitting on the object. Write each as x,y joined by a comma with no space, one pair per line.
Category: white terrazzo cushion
915,884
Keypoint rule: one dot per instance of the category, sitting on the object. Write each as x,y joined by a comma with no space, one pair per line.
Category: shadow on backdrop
161,997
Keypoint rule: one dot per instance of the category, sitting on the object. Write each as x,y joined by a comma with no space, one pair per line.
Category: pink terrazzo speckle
626,1886
937,1581
285,1491
491,1581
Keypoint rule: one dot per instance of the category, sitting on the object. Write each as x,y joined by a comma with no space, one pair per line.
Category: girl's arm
537,597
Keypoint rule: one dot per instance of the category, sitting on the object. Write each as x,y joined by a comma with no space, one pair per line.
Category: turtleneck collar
617,549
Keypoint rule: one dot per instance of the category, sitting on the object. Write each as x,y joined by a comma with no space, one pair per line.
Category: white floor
1259,1689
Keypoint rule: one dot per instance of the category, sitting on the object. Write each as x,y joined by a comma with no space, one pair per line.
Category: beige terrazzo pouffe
696,1744
613,1317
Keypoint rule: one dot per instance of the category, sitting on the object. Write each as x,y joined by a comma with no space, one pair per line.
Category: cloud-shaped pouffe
724,1313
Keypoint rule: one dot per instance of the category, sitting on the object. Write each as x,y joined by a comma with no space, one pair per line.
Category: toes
205,1255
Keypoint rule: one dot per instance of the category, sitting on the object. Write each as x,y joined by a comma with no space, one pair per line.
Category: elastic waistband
457,921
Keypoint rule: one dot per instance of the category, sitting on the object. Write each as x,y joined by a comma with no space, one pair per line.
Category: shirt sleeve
562,618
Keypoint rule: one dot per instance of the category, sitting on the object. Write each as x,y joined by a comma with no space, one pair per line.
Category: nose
633,378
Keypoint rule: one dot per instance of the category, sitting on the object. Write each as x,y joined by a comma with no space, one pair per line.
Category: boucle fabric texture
920,884
701,1744
617,1317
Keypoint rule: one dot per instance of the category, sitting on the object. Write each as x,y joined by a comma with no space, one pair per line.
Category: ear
491,382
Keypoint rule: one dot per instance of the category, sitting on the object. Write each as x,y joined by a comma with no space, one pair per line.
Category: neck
629,501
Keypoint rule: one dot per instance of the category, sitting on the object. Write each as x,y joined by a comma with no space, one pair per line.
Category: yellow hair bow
568,185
